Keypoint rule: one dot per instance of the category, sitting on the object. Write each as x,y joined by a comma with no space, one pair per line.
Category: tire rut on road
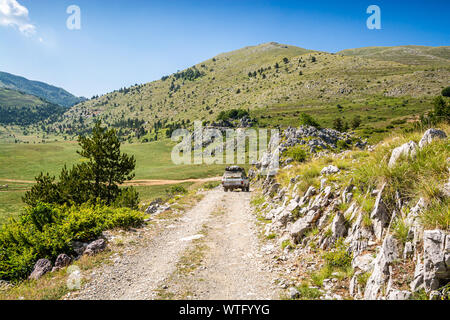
232,266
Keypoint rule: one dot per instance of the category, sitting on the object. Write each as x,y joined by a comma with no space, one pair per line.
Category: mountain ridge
406,54
256,77
39,89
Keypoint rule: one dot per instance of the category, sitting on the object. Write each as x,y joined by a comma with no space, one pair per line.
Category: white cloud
13,14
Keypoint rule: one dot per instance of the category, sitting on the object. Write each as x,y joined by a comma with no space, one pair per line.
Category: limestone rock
339,226
79,247
407,150
381,272
329,170
430,135
293,293
398,295
408,250
298,229
380,215
41,267
95,247
436,251
153,207
62,261
363,262
359,236
417,282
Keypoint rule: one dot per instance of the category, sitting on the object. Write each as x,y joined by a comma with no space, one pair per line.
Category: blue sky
126,42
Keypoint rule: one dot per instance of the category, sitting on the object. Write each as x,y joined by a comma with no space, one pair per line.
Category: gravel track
232,266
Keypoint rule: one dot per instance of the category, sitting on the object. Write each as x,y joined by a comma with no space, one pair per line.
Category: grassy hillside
12,98
22,162
18,108
411,55
39,89
270,75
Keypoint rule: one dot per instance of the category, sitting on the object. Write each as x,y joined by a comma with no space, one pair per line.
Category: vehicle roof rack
234,169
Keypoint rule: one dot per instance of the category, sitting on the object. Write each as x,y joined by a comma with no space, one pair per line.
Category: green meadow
25,161
153,161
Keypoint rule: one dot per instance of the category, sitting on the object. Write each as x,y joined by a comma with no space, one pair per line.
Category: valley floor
211,252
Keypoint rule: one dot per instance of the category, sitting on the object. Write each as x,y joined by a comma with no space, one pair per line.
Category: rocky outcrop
436,256
311,138
380,215
339,226
79,247
62,261
41,267
381,272
398,295
95,247
407,150
316,219
430,135
329,170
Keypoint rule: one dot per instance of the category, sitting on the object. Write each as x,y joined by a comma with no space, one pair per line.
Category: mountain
276,82
39,89
410,55
19,108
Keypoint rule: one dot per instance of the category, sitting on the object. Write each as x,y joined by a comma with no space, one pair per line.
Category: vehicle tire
225,189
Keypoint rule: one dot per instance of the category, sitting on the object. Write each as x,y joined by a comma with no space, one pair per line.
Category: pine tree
107,167
441,109
338,124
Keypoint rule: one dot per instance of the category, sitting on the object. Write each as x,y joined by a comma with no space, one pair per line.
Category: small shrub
297,153
363,278
128,198
307,120
45,231
286,244
400,230
342,145
366,221
271,236
257,200
339,256
420,295
328,233
318,277
437,215
446,92
308,293
174,190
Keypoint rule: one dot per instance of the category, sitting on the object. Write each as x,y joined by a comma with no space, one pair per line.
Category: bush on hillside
128,198
356,122
297,153
174,190
441,109
46,230
446,92
232,114
307,120
339,257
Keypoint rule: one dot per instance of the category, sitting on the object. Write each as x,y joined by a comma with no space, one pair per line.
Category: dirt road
135,183
211,252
